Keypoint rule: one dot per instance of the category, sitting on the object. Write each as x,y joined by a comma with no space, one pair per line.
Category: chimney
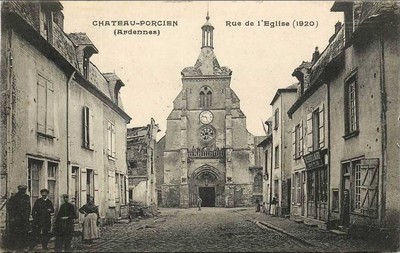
315,56
338,25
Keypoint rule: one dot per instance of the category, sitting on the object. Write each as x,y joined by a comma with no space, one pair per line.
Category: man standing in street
41,213
199,201
18,209
64,225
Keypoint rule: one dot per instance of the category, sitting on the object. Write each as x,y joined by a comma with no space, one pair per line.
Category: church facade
208,151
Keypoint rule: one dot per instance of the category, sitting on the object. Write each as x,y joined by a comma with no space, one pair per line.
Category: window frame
276,119
276,157
351,106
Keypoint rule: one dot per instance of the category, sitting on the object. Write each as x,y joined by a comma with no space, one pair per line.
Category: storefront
317,185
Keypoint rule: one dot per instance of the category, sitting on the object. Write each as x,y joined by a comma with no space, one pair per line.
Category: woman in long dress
91,221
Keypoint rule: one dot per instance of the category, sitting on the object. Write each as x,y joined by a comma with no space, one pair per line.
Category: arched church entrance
207,183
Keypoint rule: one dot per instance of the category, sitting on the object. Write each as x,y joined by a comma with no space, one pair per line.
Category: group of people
19,229
261,207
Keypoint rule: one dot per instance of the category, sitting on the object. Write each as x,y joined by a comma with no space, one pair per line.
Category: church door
207,194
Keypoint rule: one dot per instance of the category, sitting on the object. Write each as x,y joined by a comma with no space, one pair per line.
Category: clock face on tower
206,117
207,134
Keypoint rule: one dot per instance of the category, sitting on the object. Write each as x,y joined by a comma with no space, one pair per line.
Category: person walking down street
91,221
263,207
64,225
199,201
18,209
257,206
273,206
42,211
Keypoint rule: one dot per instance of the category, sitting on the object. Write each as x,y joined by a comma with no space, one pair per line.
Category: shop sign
314,160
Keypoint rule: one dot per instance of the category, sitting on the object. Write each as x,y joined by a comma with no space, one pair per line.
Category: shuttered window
111,139
45,106
364,187
111,188
297,140
316,129
87,128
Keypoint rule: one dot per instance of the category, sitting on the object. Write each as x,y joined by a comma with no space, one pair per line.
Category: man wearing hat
18,209
41,213
64,225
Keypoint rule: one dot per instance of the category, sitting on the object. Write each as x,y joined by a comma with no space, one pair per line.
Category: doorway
207,194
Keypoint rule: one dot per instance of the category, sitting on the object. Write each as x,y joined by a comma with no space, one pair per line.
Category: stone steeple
207,63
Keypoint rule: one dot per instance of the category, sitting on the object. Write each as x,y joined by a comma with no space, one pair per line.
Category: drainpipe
9,112
383,128
329,155
270,175
67,129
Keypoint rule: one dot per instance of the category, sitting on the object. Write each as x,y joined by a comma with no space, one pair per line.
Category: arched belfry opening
207,34
206,182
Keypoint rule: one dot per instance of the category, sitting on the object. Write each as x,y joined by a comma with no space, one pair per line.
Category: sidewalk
321,239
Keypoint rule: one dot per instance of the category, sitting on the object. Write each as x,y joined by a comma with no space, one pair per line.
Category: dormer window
46,23
86,63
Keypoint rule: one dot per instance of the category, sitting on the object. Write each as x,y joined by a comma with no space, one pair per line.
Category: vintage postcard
181,126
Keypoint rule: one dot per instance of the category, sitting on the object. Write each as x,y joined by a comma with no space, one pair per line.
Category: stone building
207,150
364,115
345,125
141,145
63,124
282,148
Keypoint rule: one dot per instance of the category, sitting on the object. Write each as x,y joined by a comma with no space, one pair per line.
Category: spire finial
208,8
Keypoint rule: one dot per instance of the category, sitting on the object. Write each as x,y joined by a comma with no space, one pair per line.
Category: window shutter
50,109
369,187
309,133
109,136
294,142
96,188
111,190
91,136
126,189
293,192
83,197
84,127
113,140
321,126
41,105
301,144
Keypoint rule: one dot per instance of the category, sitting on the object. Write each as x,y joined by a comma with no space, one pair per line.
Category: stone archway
206,182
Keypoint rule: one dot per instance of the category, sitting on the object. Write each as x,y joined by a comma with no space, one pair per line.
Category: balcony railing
219,153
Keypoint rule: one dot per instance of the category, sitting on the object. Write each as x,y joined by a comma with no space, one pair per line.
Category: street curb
277,229
286,233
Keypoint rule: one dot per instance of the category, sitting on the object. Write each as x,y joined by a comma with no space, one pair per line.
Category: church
208,151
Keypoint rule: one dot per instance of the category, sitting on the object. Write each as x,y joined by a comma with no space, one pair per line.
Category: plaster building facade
63,123
207,151
282,146
266,145
364,115
141,156
345,125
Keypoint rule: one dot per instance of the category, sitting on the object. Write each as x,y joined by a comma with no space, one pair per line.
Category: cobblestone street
212,229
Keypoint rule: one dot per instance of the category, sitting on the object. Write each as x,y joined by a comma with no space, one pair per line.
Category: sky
261,58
